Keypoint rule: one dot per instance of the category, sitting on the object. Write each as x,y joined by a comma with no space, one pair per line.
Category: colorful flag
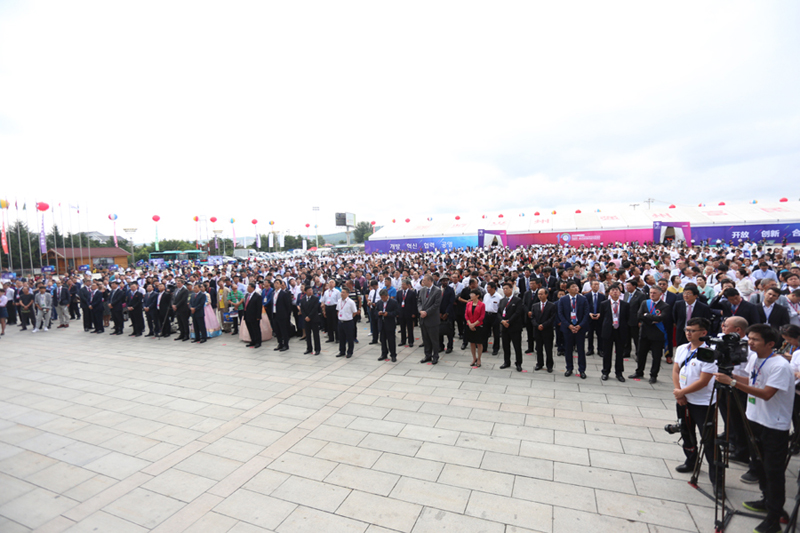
42,238
5,241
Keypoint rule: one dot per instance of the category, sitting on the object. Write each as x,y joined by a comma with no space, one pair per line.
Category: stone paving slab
101,433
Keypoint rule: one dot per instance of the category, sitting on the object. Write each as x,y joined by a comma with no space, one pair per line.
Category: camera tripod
722,514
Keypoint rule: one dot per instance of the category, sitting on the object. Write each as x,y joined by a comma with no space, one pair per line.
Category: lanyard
691,356
757,372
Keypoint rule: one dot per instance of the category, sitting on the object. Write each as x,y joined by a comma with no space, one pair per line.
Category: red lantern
213,219
308,225
458,217
577,211
41,206
196,219
408,220
783,200
500,215
394,220
722,203
255,222
672,206
536,214
484,216
373,222
156,218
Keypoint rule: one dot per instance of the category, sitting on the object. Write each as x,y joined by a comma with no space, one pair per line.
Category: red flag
5,241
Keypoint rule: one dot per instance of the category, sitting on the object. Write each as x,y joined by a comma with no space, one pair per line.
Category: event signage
84,268
48,268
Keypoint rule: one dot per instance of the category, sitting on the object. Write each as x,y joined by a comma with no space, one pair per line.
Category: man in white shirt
770,391
694,393
329,300
345,311
491,300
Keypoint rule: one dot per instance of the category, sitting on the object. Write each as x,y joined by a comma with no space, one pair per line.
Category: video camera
727,351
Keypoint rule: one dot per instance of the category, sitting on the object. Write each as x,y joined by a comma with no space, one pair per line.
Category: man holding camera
694,391
770,397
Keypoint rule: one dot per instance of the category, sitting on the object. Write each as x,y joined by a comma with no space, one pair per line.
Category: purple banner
42,238
426,244
754,232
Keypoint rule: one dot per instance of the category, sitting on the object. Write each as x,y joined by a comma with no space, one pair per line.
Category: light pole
316,231
131,231
217,232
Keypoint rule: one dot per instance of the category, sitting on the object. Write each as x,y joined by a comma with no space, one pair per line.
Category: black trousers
577,340
88,319
512,338
97,318
183,323
331,322
531,333
560,339
632,346
347,336
152,322
282,330
406,330
544,345
164,327
26,318
137,320
374,327
594,329
692,422
12,313
772,445
430,340
74,310
650,345
617,340
492,325
254,329
298,321
312,329
448,327
116,316
461,321
199,323
388,341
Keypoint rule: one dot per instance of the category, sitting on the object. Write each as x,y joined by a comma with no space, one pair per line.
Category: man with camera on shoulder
770,396
694,393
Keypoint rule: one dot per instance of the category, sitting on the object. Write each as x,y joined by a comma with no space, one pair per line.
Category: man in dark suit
771,312
150,311
282,314
430,298
163,308
117,298
309,317
252,315
595,299
75,299
446,325
96,308
61,299
85,295
386,312
614,318
180,306
634,298
653,337
573,313
135,301
550,282
543,318
197,307
528,300
512,316
732,304
407,299
524,283
690,307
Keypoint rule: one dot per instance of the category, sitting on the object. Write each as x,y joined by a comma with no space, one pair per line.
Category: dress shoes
653,379
519,368
425,360
636,375
590,352
202,341
394,359
684,468
449,350
339,355
538,367
374,342
604,377
549,370
568,373
248,345
435,361
178,339
316,353
149,335
410,345
348,356
504,366
382,358
277,348
307,352
528,351
284,349
496,353
583,375
620,378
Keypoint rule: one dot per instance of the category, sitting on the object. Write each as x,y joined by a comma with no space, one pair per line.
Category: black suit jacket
607,318
448,300
97,301
309,307
551,285
180,299
745,310
650,321
391,307
198,302
283,305
212,293
777,318
410,299
514,313
546,318
135,301
85,295
700,310
117,299
164,306
252,312
635,303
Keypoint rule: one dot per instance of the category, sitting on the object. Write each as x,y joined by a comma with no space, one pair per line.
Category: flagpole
10,248
19,240
55,239
27,225
71,241
80,235
89,243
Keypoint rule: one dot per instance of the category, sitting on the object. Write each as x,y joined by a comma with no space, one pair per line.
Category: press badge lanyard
689,359
754,375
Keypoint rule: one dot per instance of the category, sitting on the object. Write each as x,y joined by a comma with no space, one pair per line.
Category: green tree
362,230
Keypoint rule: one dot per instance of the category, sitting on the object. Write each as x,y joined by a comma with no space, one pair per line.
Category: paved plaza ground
127,435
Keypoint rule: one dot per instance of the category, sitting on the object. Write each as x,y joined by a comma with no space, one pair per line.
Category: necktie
688,312
248,300
616,315
595,302
542,311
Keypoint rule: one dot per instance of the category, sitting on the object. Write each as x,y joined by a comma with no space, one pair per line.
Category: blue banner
751,232
84,268
424,244
113,268
48,268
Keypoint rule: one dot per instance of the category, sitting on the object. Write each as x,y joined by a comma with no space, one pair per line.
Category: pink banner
115,234
579,238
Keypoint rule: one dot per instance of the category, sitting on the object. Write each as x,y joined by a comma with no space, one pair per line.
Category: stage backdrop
425,244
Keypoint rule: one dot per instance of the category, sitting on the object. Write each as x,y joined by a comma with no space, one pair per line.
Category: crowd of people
635,303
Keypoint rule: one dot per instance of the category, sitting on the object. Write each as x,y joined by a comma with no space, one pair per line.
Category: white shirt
331,296
346,308
690,373
776,372
492,301
374,296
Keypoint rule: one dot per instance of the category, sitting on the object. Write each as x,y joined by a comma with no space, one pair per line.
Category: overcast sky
391,110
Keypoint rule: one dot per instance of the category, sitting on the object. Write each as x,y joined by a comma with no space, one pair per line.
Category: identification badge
340,315
573,315
751,399
403,304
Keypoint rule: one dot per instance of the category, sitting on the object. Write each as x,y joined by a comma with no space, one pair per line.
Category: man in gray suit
429,299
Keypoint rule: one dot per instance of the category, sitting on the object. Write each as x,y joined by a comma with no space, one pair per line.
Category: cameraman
770,393
694,392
